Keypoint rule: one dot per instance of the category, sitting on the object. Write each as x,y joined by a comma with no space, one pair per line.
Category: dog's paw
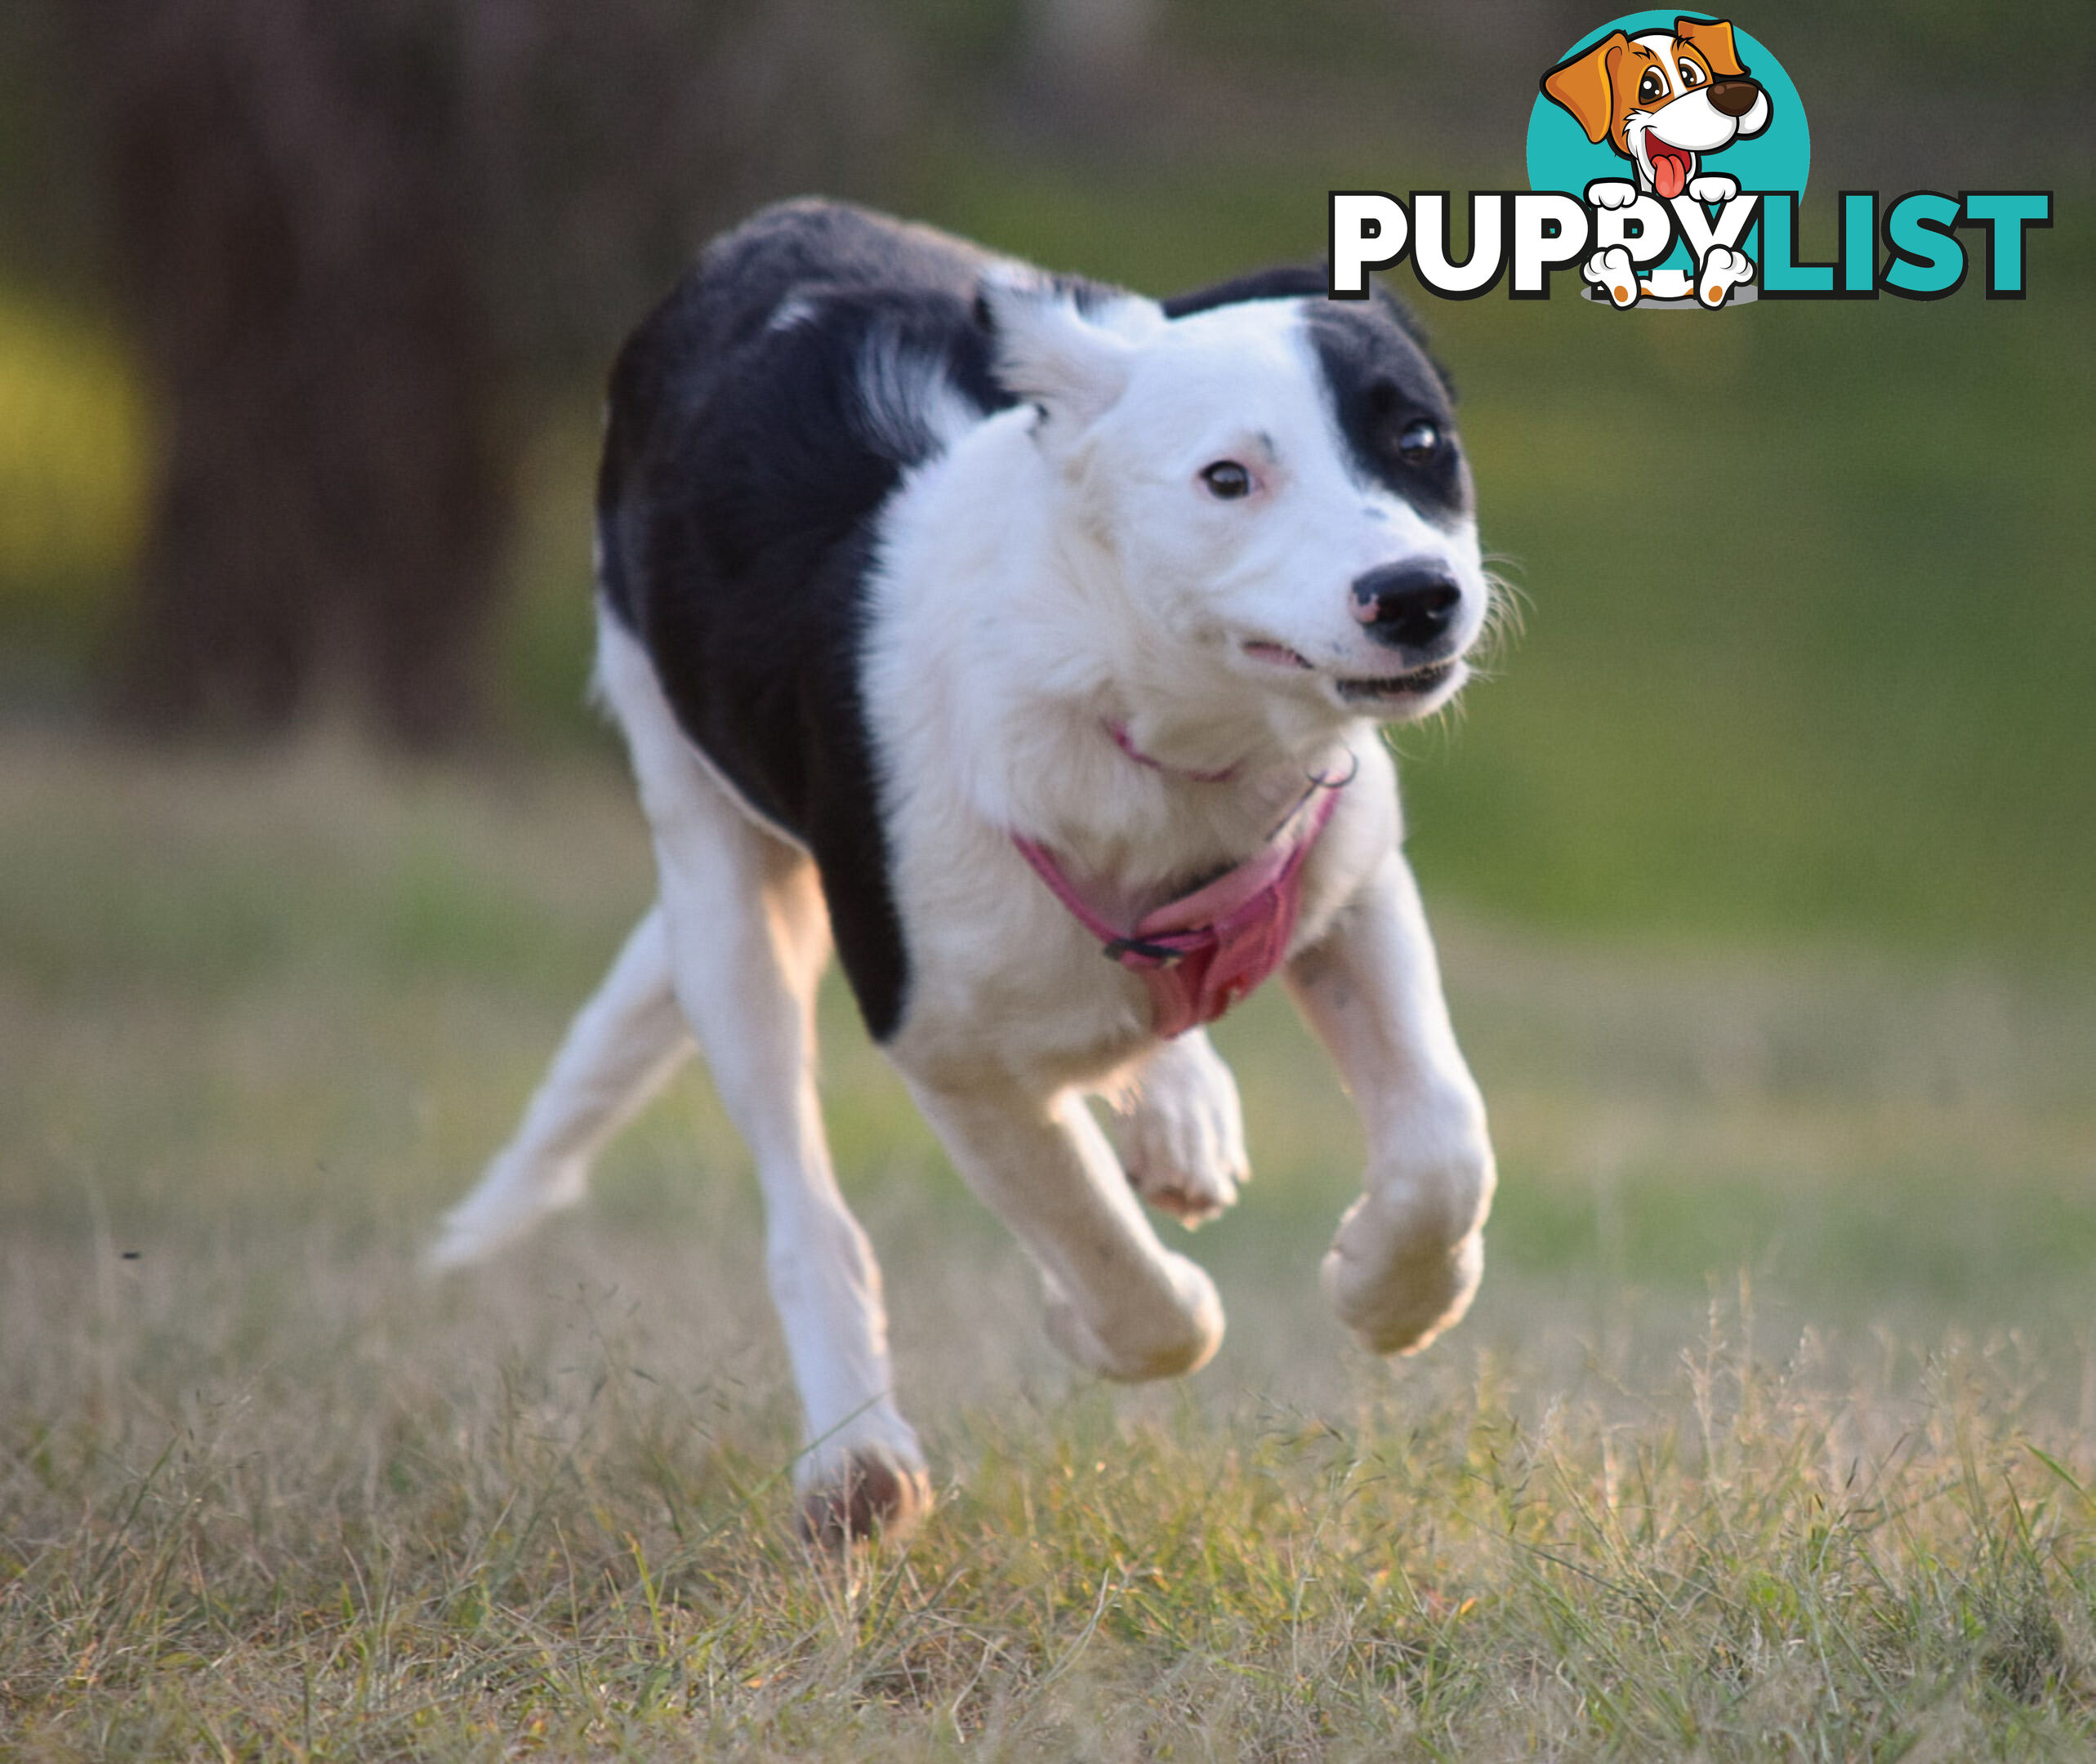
1396,1285
1182,1131
1714,187
1613,271
873,1488
1145,1335
1406,1259
1611,193
1722,269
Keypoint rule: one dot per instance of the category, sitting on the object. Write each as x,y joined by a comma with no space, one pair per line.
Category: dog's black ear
1065,347
1409,322
1282,282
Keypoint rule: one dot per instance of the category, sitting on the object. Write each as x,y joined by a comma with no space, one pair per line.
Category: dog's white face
1276,485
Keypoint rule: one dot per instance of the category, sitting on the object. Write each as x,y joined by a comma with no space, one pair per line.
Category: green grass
1772,1436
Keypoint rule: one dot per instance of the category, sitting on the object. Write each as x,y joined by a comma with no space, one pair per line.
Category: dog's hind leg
748,938
622,1045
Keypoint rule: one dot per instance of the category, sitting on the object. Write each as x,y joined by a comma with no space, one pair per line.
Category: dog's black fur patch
1382,382
738,510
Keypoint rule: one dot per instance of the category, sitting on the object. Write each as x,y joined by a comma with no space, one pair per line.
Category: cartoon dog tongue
1669,168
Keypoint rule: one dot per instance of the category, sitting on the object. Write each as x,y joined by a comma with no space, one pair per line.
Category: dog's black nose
1734,97
1408,606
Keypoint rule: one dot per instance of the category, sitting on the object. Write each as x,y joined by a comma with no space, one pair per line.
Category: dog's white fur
1056,568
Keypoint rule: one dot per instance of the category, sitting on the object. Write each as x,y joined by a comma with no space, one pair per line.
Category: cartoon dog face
1662,102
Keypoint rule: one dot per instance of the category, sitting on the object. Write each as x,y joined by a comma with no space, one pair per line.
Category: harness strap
1200,954
1125,743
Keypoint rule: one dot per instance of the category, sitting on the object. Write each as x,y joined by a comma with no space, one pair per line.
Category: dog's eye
1652,85
1691,74
1227,480
1418,443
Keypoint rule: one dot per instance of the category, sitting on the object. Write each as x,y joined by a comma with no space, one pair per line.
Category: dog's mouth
1671,166
1414,683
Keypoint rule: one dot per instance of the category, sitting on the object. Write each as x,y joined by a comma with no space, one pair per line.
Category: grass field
1766,883
1772,1436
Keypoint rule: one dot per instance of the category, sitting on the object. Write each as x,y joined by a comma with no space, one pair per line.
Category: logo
1659,130
1667,157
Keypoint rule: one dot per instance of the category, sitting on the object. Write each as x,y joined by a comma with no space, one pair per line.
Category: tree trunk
288,207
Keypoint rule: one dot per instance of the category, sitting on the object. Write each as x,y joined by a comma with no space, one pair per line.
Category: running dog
1665,103
1025,639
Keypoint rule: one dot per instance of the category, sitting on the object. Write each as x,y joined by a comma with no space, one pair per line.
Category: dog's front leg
1118,1301
1410,1251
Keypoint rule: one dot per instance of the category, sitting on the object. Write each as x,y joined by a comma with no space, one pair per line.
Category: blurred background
1765,859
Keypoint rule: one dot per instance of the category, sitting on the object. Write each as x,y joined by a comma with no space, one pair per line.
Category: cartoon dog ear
1583,84
1712,39
1068,347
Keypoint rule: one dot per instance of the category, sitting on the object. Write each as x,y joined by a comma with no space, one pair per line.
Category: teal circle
1561,158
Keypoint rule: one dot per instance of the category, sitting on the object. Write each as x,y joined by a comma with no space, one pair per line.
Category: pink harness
1200,954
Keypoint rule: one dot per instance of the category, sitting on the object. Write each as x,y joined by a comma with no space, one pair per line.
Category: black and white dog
988,622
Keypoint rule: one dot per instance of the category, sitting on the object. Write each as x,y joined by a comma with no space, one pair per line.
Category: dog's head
1662,102
1270,483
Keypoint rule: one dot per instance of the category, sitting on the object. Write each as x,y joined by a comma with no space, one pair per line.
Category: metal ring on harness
1321,781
